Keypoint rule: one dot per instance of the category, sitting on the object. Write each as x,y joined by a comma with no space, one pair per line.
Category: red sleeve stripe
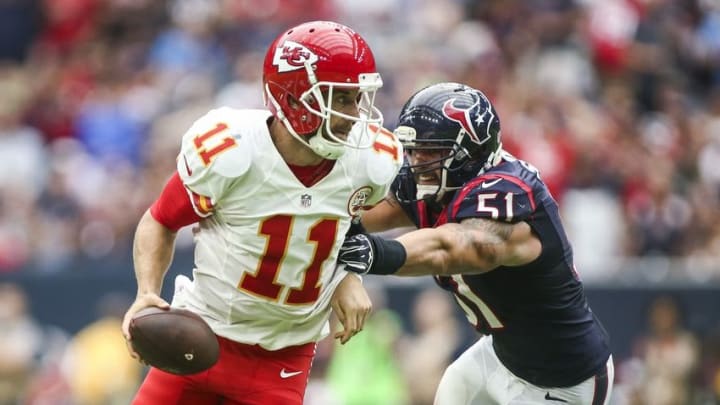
469,186
173,209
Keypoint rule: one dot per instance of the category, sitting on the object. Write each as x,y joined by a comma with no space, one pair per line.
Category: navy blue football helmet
456,119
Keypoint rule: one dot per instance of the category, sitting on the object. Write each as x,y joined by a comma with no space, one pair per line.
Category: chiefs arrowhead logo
292,56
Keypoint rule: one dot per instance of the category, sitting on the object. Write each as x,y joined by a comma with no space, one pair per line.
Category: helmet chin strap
429,190
321,146
325,148
434,192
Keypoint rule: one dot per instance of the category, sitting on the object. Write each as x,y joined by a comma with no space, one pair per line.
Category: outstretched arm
473,246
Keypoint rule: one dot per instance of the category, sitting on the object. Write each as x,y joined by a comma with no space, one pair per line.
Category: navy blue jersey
543,330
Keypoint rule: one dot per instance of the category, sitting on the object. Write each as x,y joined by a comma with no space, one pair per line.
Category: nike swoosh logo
548,397
288,374
487,184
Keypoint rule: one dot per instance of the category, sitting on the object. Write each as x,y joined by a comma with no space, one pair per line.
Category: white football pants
478,378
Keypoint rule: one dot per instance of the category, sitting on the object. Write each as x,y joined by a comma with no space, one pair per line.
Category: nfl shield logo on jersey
305,200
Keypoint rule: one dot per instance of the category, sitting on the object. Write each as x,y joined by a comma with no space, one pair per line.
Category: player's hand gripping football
141,301
351,305
357,253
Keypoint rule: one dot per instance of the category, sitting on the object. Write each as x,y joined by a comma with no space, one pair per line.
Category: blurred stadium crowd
617,102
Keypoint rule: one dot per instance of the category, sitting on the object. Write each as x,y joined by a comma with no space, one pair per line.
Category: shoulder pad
383,161
217,149
498,196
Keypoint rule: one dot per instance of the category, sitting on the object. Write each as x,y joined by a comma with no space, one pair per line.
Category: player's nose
351,108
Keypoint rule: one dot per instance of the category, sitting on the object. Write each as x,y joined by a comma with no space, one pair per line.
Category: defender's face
427,165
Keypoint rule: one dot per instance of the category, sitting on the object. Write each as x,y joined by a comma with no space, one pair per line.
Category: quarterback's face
345,101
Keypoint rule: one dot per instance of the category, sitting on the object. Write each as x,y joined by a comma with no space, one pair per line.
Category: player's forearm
447,249
444,250
427,253
153,250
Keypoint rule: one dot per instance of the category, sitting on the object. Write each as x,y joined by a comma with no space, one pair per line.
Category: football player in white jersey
273,193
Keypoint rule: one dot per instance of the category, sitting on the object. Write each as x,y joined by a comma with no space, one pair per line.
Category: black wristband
390,255
355,228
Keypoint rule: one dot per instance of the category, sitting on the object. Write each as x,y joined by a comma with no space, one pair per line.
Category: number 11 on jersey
207,147
277,230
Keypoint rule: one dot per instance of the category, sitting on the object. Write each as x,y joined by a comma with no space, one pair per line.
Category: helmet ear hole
293,103
310,99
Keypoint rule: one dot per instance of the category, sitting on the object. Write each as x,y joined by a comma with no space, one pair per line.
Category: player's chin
427,179
341,135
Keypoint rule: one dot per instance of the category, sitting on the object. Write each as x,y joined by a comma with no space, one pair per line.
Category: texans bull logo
462,117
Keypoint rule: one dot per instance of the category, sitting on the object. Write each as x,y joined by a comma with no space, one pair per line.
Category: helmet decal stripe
462,117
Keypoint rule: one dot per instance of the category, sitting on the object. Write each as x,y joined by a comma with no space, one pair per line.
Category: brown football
175,340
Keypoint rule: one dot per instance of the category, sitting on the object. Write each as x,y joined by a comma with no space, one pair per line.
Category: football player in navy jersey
491,234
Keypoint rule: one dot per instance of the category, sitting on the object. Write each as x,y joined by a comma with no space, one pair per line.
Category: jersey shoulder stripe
385,156
493,182
380,163
495,195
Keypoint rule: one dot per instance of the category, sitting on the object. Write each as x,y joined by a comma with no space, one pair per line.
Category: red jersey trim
174,209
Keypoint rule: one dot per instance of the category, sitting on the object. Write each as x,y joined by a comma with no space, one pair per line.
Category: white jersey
265,254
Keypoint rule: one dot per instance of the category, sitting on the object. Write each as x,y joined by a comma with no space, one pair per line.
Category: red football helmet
303,66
